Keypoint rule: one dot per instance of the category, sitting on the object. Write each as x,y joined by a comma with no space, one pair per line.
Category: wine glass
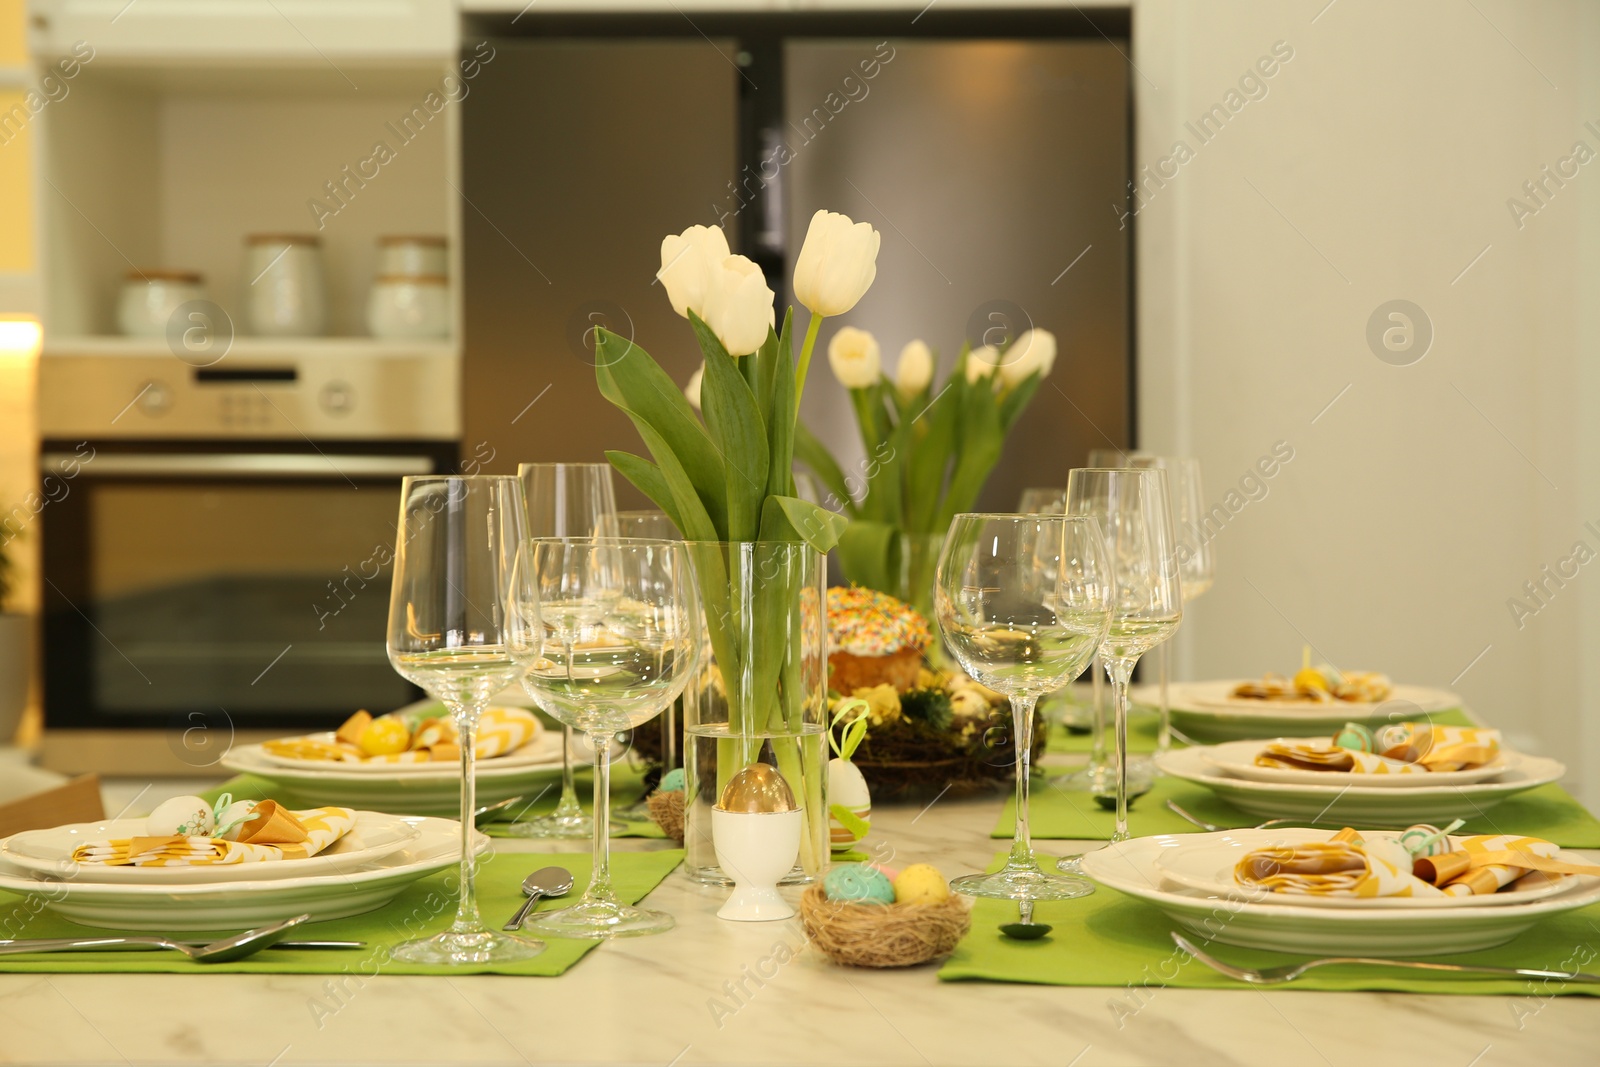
448,624
1023,601
1043,501
1130,506
652,525
1197,565
608,632
564,500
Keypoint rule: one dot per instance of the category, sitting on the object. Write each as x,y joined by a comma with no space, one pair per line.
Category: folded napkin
271,833
1349,864
500,731
1406,748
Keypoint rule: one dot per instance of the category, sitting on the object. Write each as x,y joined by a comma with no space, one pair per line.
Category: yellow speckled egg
921,883
384,737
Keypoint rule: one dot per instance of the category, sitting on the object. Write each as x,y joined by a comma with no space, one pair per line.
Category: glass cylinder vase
914,573
759,695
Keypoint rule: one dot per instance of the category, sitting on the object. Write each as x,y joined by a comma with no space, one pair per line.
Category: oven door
245,583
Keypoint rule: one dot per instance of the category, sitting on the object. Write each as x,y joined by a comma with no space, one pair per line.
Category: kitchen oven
217,546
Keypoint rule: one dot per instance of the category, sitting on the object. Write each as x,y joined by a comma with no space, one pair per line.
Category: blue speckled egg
860,883
1354,736
672,781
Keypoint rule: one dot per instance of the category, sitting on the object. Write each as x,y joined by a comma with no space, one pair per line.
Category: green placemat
1112,940
423,909
1549,812
627,785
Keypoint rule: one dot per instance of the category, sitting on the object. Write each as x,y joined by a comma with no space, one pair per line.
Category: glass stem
600,879
467,920
568,807
1097,746
1164,730
1022,731
669,738
1120,670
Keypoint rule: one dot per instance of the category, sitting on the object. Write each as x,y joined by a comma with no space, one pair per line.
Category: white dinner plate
1132,867
1209,867
1207,712
49,852
413,794
1238,759
1359,804
543,751
244,905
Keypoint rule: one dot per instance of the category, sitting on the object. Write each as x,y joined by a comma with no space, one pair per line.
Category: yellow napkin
272,833
500,731
1348,865
1421,748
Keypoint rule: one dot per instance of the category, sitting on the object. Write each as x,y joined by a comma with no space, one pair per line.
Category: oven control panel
412,396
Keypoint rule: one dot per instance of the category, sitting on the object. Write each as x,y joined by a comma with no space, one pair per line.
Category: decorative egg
847,793
185,816
889,872
921,883
859,883
1356,737
1414,836
1392,736
758,788
384,737
672,781
231,819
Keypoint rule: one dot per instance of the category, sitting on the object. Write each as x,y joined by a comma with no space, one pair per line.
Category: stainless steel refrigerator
996,170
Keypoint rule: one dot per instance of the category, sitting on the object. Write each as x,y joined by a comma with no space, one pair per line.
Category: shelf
252,349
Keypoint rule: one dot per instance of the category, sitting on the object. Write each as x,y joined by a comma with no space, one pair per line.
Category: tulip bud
689,261
692,390
738,305
855,358
981,362
914,370
836,264
1035,350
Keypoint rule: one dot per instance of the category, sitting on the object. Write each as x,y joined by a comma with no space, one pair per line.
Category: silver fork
1289,972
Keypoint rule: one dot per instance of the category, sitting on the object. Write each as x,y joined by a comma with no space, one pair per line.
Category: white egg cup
756,849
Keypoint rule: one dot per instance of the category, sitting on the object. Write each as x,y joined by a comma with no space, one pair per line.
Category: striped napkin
1409,748
1349,864
500,731
272,833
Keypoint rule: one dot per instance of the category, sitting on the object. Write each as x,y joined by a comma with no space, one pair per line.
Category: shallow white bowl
1206,711
244,905
1238,759
1359,805
1132,867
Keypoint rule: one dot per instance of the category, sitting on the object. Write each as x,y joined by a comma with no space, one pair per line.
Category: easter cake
873,640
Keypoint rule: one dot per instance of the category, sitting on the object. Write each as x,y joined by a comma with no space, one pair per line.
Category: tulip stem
805,359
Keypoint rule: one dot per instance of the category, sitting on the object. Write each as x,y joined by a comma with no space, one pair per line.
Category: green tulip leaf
734,419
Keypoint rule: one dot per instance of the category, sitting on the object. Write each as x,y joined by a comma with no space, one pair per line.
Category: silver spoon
545,882
227,950
490,809
1289,972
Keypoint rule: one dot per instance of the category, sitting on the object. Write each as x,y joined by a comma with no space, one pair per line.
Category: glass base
548,826
596,919
1072,865
468,946
1102,781
1023,884
639,812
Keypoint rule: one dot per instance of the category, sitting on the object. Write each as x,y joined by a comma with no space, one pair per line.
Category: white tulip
836,264
692,390
914,370
689,261
738,305
981,363
855,358
1033,351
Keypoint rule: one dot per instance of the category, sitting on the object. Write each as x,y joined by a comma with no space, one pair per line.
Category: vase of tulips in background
929,449
725,477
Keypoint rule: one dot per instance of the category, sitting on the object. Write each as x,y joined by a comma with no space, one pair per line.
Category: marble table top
665,1000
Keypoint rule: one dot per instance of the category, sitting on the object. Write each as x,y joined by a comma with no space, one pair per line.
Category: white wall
1378,166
